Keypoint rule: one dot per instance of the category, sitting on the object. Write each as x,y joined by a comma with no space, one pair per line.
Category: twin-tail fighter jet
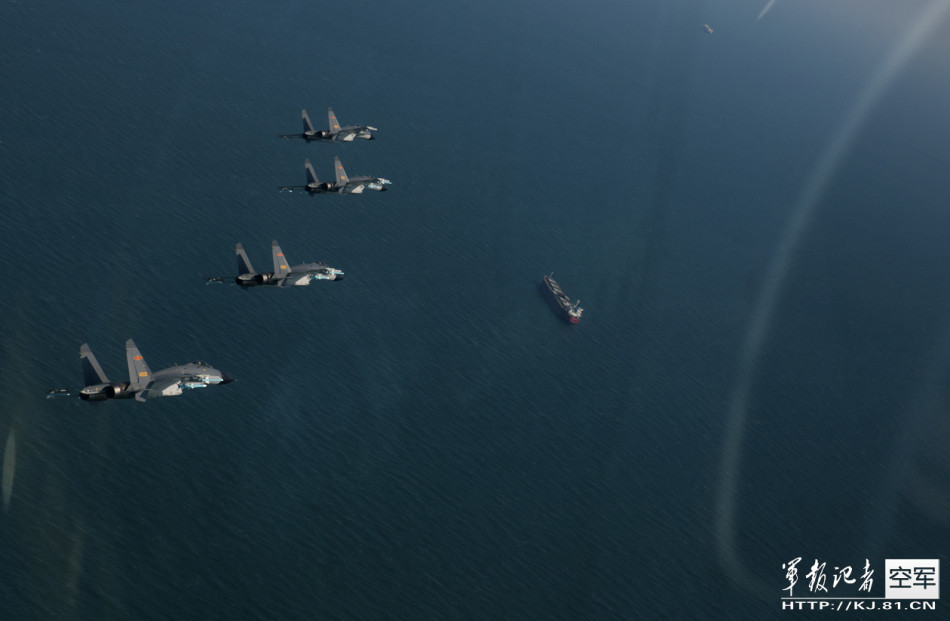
143,383
284,275
335,133
344,183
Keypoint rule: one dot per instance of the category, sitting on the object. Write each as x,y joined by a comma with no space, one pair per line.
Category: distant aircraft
335,133
708,28
142,384
344,183
282,276
765,9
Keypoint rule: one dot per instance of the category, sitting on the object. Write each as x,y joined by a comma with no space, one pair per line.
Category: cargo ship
570,311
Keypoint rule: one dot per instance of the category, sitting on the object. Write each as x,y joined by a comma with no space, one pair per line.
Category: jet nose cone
226,379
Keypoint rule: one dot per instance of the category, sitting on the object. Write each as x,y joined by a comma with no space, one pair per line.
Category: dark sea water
426,439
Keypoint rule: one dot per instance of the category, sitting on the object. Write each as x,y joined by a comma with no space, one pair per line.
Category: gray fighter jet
335,133
344,183
282,276
143,384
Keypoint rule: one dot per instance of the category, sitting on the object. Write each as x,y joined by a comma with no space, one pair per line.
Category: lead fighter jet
283,275
335,133
344,183
143,384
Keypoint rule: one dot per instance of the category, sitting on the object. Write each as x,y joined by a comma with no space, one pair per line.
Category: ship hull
559,301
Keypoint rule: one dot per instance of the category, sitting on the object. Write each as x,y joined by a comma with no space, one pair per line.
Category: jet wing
346,135
168,387
296,280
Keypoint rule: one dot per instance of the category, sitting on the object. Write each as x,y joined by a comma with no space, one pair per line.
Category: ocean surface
426,439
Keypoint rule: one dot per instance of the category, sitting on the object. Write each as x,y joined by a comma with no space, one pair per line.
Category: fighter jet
282,276
344,183
335,133
143,384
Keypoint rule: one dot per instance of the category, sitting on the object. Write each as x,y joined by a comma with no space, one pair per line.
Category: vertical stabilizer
311,176
307,125
341,178
139,375
91,371
281,268
244,264
334,124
